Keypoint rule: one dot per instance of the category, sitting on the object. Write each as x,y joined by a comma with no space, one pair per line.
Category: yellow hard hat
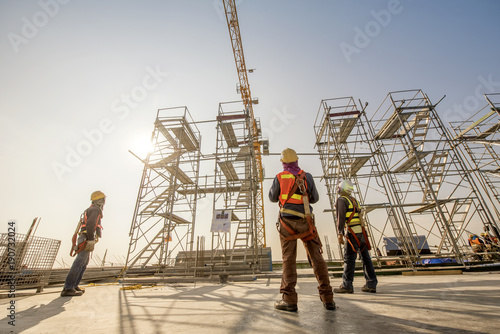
97,195
288,155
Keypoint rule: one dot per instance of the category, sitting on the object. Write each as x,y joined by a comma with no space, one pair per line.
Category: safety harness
311,233
348,227
82,224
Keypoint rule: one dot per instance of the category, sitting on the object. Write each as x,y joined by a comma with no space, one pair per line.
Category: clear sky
76,72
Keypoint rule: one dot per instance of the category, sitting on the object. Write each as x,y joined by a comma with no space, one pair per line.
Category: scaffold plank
186,137
408,163
228,170
432,205
173,217
244,154
157,201
179,174
358,163
321,131
163,130
208,190
229,135
476,123
489,132
392,125
346,127
231,117
164,162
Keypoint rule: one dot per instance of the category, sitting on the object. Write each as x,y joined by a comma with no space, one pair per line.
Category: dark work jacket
94,215
341,208
275,191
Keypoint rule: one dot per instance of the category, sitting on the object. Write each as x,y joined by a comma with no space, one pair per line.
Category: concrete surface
467,303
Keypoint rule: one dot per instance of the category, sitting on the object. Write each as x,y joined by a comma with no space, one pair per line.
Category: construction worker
294,189
476,243
490,246
89,232
354,240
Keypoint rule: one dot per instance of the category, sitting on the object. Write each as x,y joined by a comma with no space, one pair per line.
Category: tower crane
234,33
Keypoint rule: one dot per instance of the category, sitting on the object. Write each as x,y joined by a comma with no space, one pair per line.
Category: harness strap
355,238
363,230
311,233
75,249
293,212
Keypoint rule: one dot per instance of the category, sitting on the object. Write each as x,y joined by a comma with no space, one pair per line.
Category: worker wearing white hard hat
352,234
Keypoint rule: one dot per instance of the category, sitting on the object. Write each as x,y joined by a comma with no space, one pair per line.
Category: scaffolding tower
235,187
344,140
479,140
434,185
164,216
416,192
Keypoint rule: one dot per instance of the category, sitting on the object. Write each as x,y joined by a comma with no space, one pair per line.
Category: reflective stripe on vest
97,225
355,223
287,180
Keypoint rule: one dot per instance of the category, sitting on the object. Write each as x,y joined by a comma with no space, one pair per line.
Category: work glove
90,246
341,239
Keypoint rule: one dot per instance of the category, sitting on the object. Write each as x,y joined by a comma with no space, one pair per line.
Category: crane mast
234,33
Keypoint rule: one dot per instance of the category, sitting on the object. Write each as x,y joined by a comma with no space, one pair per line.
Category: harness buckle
301,185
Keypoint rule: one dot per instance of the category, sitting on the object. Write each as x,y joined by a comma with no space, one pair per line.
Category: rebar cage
26,261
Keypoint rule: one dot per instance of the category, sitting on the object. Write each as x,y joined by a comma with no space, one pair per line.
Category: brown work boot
367,289
341,289
329,306
284,306
70,293
80,289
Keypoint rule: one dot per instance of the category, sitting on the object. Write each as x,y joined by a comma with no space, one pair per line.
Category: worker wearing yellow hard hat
294,189
97,195
88,231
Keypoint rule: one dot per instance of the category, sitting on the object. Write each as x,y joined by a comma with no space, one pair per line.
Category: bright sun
141,146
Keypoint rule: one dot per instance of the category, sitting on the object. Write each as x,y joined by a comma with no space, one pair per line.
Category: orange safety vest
288,189
75,248
98,223
475,241
287,181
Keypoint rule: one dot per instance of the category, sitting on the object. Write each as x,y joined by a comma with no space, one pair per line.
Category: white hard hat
346,186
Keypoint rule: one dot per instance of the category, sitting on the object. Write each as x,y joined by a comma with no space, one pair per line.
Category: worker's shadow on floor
130,313
35,314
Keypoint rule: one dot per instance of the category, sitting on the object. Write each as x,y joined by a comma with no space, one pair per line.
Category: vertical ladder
241,241
328,249
435,172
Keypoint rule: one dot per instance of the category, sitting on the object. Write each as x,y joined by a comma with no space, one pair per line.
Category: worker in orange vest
476,243
294,189
89,231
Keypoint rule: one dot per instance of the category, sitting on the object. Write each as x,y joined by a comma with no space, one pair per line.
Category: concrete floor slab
468,303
